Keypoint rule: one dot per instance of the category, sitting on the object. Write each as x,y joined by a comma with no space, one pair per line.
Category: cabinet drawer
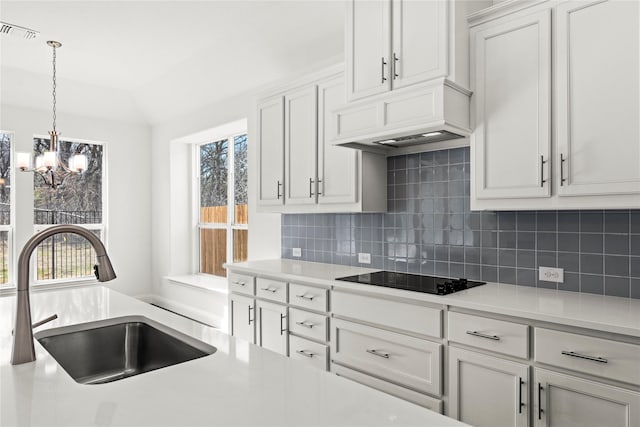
273,290
489,334
241,283
308,297
308,351
595,356
404,360
399,315
386,387
310,325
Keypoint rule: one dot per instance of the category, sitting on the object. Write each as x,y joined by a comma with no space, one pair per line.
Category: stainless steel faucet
23,349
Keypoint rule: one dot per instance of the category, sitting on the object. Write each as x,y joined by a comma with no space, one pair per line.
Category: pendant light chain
54,88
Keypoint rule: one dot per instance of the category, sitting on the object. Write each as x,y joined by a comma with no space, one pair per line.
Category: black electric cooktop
412,282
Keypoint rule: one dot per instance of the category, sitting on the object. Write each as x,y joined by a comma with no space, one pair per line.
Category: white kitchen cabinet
301,143
582,152
598,97
564,400
270,132
271,327
243,316
511,143
487,391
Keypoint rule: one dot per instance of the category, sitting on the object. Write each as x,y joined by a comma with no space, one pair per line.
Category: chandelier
50,165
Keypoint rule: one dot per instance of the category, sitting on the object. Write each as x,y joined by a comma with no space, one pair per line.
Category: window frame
227,132
11,246
103,226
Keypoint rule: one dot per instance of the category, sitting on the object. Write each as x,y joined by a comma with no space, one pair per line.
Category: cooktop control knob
449,288
440,288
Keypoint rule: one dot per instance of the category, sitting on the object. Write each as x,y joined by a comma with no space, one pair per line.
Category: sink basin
113,349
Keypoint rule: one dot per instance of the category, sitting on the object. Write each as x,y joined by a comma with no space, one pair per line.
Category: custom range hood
414,118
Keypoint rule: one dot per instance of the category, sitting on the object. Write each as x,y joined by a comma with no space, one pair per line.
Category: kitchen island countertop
239,385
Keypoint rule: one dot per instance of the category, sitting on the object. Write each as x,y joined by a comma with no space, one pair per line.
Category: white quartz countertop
239,385
603,313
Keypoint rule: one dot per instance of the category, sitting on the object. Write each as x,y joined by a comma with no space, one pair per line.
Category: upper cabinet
300,169
557,131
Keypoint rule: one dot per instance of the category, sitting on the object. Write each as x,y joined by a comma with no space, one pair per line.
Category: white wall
128,175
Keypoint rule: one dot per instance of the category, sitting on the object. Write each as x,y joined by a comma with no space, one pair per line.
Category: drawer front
595,356
310,325
308,351
308,297
489,334
241,283
386,387
273,290
399,315
404,360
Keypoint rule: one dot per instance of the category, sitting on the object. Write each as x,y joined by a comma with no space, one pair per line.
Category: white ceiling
167,57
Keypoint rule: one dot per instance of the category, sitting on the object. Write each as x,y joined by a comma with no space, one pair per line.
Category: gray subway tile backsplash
429,229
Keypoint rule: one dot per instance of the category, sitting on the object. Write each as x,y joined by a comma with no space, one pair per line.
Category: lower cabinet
565,400
487,391
242,316
310,352
271,326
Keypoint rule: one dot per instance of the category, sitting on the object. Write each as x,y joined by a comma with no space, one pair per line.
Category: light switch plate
364,258
296,252
549,274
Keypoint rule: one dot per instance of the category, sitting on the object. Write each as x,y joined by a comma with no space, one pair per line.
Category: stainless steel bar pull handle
395,66
305,353
585,356
481,335
283,329
378,353
562,178
320,193
270,289
542,163
311,193
306,324
384,79
540,410
250,319
280,184
238,283
520,404
305,296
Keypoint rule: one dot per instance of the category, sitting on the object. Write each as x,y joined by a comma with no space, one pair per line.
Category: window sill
202,281
10,288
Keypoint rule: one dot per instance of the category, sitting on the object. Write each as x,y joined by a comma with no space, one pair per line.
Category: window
6,230
80,201
222,226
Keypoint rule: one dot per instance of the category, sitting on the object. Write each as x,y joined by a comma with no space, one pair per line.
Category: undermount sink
113,349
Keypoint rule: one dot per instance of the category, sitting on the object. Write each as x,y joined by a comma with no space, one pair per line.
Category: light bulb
49,159
23,161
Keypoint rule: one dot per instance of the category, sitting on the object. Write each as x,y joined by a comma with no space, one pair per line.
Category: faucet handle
95,271
42,322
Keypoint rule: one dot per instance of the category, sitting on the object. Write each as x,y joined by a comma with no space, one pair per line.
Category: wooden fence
213,242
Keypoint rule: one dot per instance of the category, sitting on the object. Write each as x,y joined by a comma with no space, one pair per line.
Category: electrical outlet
296,252
364,258
549,274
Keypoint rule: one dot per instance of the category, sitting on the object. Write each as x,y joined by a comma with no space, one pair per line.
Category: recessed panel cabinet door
242,317
368,30
487,391
272,330
563,400
337,166
271,152
301,141
420,41
511,66
598,97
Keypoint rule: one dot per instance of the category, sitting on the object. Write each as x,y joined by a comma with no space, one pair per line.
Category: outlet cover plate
364,258
296,252
549,274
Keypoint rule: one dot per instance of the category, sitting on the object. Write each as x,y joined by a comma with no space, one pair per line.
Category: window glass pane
4,257
240,245
5,179
240,179
79,200
213,182
65,256
213,251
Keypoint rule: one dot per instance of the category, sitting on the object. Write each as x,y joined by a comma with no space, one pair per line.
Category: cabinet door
598,97
272,326
301,134
420,41
368,30
337,166
271,152
242,317
487,391
563,400
511,65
